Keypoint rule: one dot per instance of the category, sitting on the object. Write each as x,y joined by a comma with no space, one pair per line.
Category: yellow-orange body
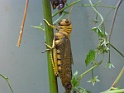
61,53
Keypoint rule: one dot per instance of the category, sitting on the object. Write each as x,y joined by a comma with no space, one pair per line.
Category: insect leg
53,57
55,64
53,53
49,23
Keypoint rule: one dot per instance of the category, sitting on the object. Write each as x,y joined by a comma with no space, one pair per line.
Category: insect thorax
66,30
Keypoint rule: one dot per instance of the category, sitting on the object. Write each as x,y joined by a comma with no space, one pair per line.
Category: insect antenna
69,12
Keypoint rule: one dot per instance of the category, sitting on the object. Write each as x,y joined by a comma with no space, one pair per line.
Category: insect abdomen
64,60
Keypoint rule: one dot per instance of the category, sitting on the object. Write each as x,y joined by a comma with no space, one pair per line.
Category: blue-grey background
26,66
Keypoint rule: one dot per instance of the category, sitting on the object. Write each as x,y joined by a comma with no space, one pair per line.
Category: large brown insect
61,54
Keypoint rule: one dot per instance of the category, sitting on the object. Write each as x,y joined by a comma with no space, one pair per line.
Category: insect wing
66,61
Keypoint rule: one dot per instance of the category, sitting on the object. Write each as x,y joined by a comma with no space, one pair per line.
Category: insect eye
67,21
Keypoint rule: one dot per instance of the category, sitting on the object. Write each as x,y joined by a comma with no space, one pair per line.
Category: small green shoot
40,27
103,46
99,31
76,79
76,85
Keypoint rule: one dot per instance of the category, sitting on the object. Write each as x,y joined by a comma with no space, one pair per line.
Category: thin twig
102,20
114,17
116,50
6,78
97,64
113,21
23,22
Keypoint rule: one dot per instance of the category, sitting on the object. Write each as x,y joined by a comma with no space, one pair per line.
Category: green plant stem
113,21
96,5
118,78
66,7
112,88
116,50
97,64
59,18
114,17
102,20
7,82
114,91
49,38
92,73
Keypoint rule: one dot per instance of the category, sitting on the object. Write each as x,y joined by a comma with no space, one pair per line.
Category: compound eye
67,21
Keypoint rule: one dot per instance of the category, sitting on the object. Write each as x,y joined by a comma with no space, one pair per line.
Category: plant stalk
113,21
118,78
102,20
7,82
114,17
97,64
49,38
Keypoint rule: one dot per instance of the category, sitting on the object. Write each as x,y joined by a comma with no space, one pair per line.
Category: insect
61,54
59,3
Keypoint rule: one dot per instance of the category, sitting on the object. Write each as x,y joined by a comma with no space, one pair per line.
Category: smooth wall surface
26,66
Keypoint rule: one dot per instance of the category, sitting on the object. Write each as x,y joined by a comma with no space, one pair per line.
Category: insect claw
44,20
47,49
50,48
45,44
43,51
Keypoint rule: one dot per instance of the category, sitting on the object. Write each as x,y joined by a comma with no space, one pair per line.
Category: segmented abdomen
64,60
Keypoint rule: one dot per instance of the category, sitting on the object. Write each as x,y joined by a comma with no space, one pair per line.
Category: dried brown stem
23,22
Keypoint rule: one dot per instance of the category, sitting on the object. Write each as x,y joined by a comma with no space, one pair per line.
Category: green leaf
94,29
98,31
90,57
